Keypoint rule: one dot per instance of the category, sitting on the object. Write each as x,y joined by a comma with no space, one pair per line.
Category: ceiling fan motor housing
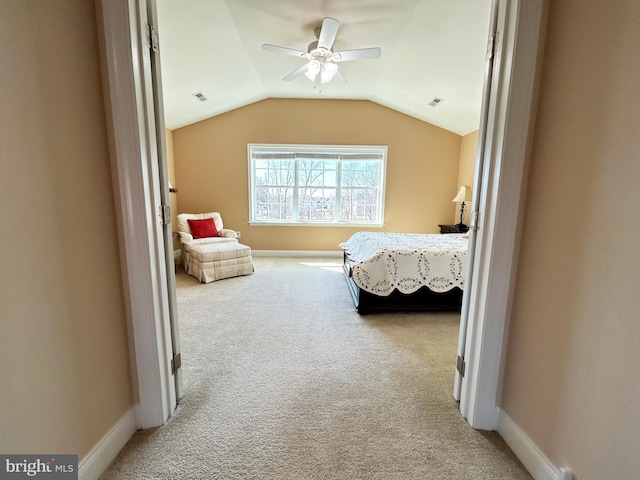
321,54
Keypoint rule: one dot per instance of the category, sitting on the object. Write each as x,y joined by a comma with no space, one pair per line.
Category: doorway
494,266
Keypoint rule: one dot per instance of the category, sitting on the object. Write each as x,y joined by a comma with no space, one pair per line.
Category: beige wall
63,345
211,165
466,170
571,379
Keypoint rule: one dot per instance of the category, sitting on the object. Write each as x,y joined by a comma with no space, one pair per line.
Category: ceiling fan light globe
313,69
314,66
328,71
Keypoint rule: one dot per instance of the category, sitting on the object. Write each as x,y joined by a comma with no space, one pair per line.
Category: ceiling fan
322,65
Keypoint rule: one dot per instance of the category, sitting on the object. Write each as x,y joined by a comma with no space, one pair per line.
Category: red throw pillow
203,228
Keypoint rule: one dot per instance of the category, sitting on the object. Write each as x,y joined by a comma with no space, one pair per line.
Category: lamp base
461,227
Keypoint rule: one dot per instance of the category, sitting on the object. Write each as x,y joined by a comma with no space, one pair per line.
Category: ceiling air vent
436,101
200,96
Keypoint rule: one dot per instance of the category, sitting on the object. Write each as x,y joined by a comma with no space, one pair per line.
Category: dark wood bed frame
422,300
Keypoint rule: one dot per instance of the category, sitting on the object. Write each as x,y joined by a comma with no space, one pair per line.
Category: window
316,184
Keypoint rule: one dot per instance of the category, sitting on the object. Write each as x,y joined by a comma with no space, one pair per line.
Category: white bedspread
383,262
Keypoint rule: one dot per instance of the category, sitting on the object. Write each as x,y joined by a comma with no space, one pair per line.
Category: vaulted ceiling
430,48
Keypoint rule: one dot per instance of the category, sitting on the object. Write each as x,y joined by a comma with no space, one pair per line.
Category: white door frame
131,127
502,184
494,265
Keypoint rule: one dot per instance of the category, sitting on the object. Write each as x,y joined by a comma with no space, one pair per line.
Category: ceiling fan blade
339,78
359,54
328,33
296,73
288,51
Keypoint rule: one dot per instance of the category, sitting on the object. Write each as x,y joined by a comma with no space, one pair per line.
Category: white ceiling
430,48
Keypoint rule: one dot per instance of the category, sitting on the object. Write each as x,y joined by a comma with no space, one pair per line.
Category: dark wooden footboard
422,300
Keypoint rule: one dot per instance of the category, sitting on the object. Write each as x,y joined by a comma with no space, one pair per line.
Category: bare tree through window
274,183
360,191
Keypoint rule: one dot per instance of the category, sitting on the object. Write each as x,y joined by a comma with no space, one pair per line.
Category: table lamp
464,195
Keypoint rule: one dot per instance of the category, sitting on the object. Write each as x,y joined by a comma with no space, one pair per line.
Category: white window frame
297,148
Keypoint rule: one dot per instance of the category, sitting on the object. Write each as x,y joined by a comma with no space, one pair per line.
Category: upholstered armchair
201,232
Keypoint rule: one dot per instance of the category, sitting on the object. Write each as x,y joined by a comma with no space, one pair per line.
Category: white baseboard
102,454
297,253
534,460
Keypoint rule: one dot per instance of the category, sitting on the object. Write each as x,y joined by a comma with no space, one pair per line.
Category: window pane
360,205
274,203
361,173
273,182
317,173
316,192
317,204
361,192
273,172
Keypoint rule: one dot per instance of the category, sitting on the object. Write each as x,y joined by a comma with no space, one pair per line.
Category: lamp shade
464,194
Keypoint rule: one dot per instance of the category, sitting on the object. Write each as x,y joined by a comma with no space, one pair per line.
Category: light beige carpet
284,380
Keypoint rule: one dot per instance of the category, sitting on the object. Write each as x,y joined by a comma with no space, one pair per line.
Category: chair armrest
225,232
185,237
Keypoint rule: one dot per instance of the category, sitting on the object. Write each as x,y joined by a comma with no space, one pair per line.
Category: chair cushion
219,251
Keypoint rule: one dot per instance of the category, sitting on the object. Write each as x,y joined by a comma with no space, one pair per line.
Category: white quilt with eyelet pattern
383,262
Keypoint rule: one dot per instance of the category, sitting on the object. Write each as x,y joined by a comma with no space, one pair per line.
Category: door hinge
475,221
492,45
152,39
165,214
461,365
176,363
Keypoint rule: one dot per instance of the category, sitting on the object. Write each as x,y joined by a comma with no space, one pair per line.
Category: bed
404,271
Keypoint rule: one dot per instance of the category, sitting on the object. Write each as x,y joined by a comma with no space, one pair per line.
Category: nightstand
453,229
